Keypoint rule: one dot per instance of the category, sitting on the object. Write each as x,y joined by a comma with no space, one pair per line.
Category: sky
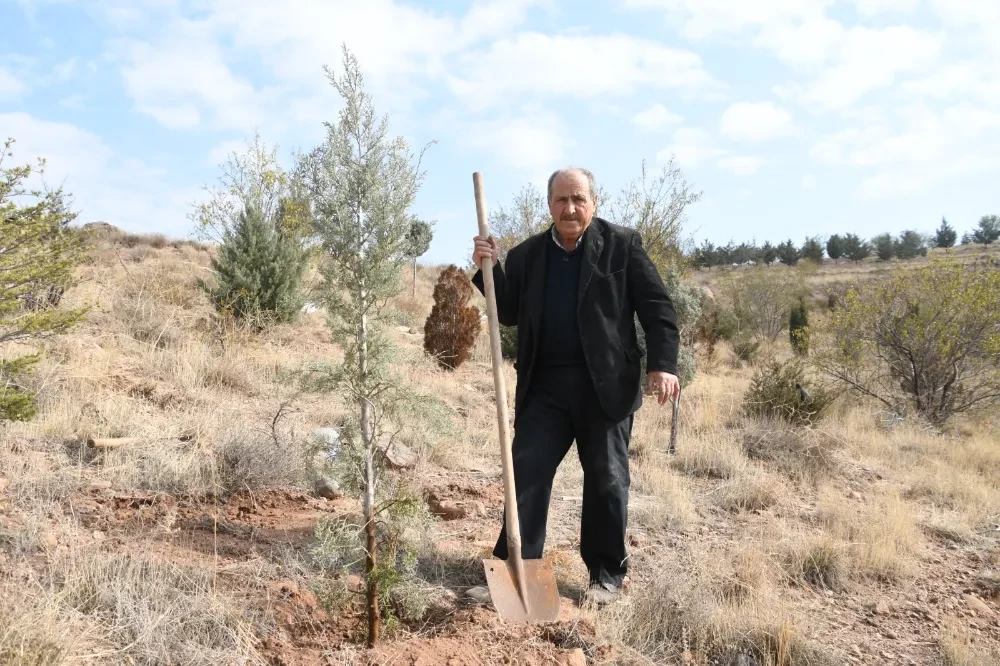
793,118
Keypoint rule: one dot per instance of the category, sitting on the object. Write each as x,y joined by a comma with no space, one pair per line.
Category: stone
327,488
636,540
414,330
879,608
480,594
479,509
399,456
99,485
574,658
978,606
355,583
889,633
450,510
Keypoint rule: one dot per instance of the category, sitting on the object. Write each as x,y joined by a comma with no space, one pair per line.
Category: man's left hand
664,385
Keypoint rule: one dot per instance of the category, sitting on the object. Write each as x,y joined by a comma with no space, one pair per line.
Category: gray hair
591,181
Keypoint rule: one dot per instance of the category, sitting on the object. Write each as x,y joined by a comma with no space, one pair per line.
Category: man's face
572,206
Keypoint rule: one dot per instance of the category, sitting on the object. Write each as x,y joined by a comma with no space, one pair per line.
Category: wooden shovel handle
510,494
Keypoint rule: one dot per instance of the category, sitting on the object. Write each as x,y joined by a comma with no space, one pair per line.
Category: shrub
746,350
760,299
928,337
508,341
258,271
452,326
798,329
778,391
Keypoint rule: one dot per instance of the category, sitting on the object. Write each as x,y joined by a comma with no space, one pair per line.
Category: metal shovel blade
542,595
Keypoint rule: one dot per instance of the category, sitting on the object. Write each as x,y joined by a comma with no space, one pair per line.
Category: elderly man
573,292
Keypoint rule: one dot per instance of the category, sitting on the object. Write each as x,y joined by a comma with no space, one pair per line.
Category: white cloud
755,121
809,42
10,86
125,192
741,165
578,66
64,71
655,118
702,19
870,59
871,8
691,147
530,142
809,181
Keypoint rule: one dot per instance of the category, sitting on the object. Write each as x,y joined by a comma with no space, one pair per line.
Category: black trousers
561,406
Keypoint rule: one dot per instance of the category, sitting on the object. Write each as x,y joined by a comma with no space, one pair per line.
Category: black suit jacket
617,283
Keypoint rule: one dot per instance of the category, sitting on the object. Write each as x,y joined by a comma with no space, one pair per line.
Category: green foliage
768,253
927,337
945,235
885,248
760,299
258,272
788,254
686,366
798,328
452,326
418,241
362,185
253,179
910,245
812,249
835,247
38,255
746,349
775,393
855,248
508,341
988,231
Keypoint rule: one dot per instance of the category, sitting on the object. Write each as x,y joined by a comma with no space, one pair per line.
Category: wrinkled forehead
570,183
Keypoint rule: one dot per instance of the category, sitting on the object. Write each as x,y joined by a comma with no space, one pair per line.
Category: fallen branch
111,443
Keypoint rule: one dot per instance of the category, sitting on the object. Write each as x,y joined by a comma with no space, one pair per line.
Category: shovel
522,590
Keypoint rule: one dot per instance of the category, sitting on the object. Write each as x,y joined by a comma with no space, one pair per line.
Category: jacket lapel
592,246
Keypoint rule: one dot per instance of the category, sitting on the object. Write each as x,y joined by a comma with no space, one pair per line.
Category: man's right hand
483,248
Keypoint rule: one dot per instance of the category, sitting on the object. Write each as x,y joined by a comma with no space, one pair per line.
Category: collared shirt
555,237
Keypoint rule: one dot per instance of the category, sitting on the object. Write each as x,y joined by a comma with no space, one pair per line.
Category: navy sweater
560,340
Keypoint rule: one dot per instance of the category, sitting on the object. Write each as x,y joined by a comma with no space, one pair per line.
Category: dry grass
753,490
956,648
882,534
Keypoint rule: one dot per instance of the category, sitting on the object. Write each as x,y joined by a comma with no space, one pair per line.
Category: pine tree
910,245
768,253
258,273
812,250
418,241
363,184
946,235
38,255
835,247
788,254
855,248
885,248
988,231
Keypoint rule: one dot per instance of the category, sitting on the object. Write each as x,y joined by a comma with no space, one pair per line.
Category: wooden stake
111,443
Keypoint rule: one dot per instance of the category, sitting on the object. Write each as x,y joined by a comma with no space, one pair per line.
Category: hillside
859,541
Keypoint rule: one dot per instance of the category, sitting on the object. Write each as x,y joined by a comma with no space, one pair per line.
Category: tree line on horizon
851,247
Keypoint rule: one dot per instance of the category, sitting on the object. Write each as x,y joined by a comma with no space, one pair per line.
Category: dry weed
801,454
956,649
752,490
716,457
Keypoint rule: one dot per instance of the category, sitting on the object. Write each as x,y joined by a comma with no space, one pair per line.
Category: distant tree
855,248
726,253
812,249
526,215
910,244
788,254
760,300
258,271
418,241
656,208
885,248
768,253
945,236
988,231
706,256
835,247
39,253
967,238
